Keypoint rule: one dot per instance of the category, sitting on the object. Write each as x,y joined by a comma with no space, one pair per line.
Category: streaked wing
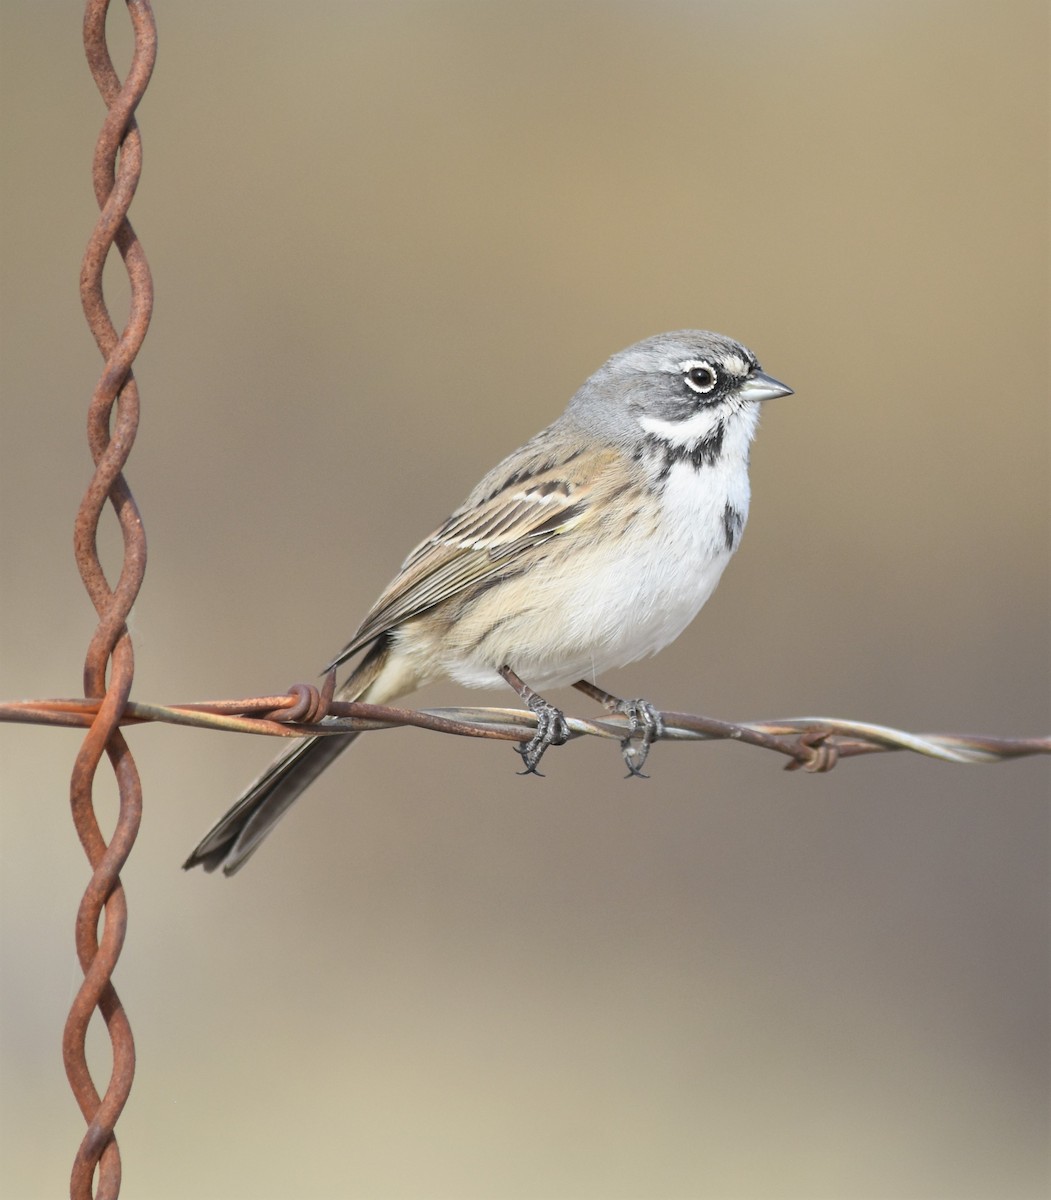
480,541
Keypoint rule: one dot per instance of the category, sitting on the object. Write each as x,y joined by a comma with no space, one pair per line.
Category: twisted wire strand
810,743
111,427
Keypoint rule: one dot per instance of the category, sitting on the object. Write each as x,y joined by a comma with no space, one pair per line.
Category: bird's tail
235,837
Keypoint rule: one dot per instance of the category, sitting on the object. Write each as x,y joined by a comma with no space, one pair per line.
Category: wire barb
312,703
113,416
822,754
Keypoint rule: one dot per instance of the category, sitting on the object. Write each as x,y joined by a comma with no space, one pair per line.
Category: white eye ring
700,376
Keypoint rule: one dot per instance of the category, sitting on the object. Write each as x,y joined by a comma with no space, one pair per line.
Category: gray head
678,389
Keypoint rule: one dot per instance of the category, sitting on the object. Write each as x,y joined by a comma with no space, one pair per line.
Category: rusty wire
813,744
112,422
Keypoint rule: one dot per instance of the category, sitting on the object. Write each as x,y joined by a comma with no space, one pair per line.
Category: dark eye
700,376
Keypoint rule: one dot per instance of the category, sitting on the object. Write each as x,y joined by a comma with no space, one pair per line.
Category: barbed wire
813,744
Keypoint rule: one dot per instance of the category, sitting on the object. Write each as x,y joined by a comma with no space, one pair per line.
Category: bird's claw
551,730
641,716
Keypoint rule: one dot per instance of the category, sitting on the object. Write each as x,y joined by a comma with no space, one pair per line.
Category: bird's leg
551,728
641,716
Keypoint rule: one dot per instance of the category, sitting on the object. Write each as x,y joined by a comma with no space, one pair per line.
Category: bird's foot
642,718
551,727
551,730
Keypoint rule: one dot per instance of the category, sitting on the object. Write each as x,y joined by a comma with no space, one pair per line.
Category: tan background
389,240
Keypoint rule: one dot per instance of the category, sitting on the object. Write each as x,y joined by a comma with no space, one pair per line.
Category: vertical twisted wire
112,421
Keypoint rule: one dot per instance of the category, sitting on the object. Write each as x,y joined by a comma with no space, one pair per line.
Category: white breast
639,605
621,598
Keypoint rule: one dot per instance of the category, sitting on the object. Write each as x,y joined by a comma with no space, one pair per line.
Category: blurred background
389,241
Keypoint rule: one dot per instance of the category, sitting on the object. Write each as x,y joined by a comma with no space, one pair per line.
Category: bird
591,546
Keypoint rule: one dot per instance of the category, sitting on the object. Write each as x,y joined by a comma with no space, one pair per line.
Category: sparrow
591,546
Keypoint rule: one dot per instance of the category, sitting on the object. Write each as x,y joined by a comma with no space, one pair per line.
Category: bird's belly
576,616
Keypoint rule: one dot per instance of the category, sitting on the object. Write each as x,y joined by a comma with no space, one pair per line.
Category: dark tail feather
237,835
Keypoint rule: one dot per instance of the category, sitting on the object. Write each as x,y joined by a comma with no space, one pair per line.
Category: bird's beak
760,386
